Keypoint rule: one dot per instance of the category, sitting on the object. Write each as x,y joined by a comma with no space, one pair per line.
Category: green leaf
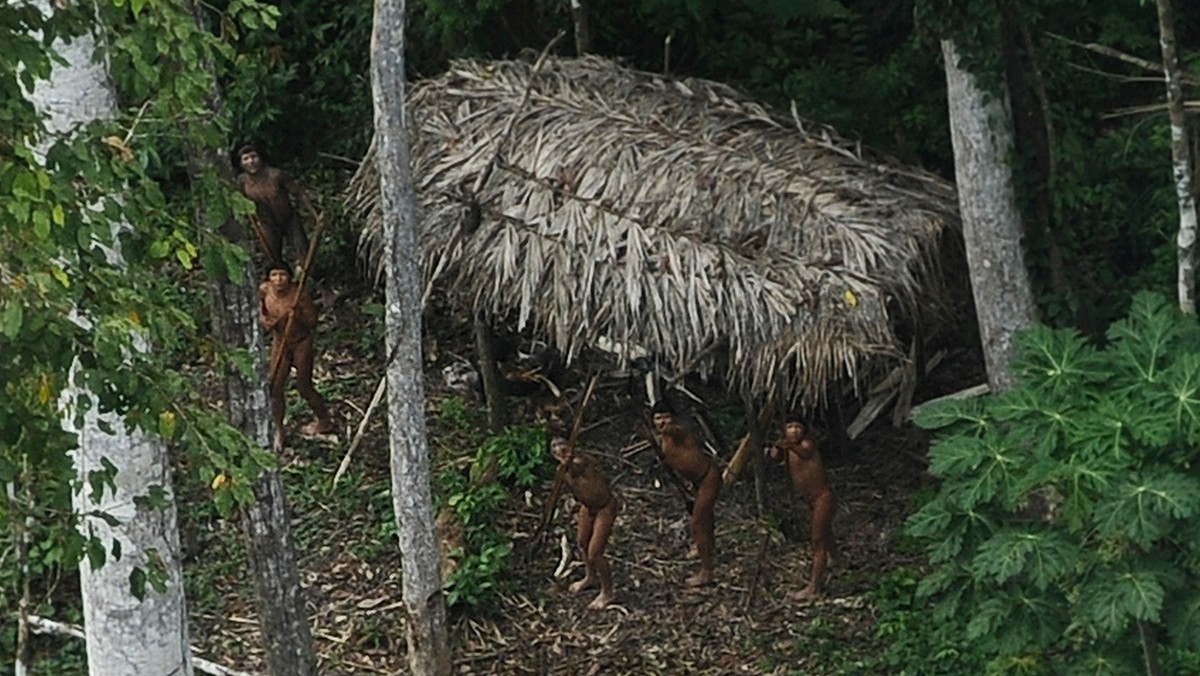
11,319
1143,505
952,412
1183,618
137,582
1145,340
1056,362
1110,597
1043,556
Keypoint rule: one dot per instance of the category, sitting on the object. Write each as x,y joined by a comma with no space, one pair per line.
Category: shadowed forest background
1027,548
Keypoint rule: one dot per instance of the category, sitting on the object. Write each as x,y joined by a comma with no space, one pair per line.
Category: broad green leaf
11,319
1143,506
137,581
1042,555
955,411
1183,382
1112,596
1056,361
1183,618
1145,340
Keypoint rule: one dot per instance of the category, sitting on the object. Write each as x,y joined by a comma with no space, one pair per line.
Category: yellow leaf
61,275
851,299
135,317
59,215
120,147
166,424
44,391
219,481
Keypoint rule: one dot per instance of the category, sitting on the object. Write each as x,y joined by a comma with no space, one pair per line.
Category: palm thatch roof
678,216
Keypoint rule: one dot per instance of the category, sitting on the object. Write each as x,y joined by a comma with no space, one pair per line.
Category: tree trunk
981,130
412,499
583,34
1181,161
282,615
124,635
489,373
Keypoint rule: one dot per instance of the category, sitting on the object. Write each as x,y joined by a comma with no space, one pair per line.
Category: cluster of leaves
505,462
1064,534
93,247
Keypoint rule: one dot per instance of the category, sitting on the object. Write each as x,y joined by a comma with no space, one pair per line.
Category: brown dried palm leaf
671,215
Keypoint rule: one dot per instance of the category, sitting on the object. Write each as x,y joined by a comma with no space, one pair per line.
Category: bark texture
124,635
282,610
412,498
981,131
1181,161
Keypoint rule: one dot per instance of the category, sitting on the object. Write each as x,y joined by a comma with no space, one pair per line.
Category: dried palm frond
670,215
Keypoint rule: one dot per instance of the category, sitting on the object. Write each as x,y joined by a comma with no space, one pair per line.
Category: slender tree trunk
282,615
1181,161
412,499
583,34
981,130
489,373
124,635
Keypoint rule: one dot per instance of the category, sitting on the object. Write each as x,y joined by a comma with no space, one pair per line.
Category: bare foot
601,601
279,445
585,583
693,552
699,579
809,593
318,427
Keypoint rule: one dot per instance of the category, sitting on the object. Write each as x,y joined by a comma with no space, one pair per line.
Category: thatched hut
676,216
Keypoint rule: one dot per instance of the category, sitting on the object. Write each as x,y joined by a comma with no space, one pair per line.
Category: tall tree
266,520
981,132
125,634
412,499
1181,160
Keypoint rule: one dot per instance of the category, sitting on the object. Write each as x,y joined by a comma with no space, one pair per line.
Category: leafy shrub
1065,536
504,461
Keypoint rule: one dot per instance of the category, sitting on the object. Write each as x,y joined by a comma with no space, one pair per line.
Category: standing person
598,507
683,455
279,297
799,452
272,190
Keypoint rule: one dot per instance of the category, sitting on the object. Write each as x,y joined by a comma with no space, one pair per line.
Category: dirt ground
744,623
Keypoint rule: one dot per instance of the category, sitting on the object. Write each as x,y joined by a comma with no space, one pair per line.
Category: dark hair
277,266
248,148
794,418
662,406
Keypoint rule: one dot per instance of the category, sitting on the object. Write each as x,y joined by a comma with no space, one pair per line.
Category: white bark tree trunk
412,499
124,635
1181,161
981,131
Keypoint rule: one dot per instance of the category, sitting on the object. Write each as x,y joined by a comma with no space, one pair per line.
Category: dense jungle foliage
1100,216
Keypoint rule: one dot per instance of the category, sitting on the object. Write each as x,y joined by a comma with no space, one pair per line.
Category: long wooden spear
277,358
561,477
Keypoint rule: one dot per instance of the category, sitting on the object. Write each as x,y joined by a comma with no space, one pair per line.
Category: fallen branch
42,625
362,427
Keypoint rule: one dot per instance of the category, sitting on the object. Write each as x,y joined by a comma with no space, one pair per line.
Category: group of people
289,315
680,451
285,308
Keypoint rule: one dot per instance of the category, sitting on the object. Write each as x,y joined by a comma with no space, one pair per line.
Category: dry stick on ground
758,569
362,425
561,476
